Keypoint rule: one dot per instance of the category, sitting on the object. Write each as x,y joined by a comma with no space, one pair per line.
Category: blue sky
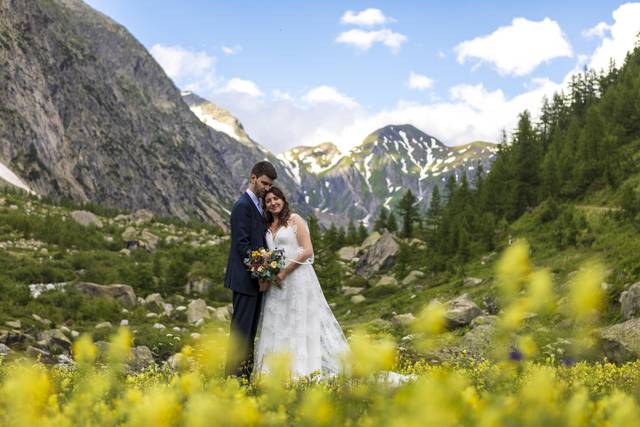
302,72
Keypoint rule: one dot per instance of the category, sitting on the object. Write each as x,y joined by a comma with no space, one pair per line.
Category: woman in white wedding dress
295,317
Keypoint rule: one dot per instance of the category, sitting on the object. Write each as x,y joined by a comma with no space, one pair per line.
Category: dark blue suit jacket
248,231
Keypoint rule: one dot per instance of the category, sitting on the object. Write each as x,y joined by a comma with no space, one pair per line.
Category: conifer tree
381,222
352,234
392,224
363,233
409,213
434,215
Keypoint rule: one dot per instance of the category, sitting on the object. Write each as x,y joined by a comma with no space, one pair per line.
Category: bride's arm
304,240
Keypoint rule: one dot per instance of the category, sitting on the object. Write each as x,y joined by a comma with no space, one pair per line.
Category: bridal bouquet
264,264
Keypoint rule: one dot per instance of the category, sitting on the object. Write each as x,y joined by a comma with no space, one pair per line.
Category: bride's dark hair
285,213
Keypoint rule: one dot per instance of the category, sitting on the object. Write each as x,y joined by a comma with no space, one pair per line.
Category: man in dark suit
248,231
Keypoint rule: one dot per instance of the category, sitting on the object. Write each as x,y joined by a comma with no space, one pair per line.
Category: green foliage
408,209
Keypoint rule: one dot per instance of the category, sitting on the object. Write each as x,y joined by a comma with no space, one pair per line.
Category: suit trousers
244,325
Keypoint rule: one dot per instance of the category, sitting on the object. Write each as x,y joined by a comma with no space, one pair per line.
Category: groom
248,230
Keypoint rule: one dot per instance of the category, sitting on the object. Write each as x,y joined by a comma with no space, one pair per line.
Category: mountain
378,172
240,152
86,113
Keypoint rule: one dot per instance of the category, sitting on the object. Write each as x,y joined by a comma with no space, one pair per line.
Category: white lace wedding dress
296,318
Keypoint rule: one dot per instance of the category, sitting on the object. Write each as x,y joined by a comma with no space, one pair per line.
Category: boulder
140,358
197,286
122,293
413,277
159,326
15,324
348,253
371,240
221,313
387,281
4,350
197,310
104,325
349,290
621,342
484,320
44,322
471,281
155,299
379,257
142,216
86,219
149,241
357,299
461,311
54,339
39,354
130,234
403,319
630,302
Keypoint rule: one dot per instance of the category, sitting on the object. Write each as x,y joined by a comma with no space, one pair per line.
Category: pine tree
314,229
363,233
450,187
434,215
352,234
381,222
341,238
392,224
330,238
409,213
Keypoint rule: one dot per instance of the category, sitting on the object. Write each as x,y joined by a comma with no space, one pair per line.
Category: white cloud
180,63
363,40
419,81
365,18
246,87
328,94
623,33
281,95
519,48
231,50
599,30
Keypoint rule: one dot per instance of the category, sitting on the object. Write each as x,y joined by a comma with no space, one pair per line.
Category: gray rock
630,302
122,293
104,325
387,281
124,322
221,313
351,290
159,326
149,241
484,320
142,216
379,257
461,311
39,354
197,286
155,299
471,281
403,319
4,350
413,277
141,358
197,310
348,253
621,342
55,338
45,322
86,218
15,324
130,234
357,299
371,240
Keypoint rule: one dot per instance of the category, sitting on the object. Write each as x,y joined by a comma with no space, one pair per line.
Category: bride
296,318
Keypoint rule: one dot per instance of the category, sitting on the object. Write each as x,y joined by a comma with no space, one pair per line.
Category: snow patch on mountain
7,175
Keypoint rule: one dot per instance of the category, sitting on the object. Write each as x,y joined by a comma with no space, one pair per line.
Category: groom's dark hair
264,168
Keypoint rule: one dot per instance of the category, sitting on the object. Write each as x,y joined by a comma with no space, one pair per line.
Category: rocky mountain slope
240,152
86,113
379,171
